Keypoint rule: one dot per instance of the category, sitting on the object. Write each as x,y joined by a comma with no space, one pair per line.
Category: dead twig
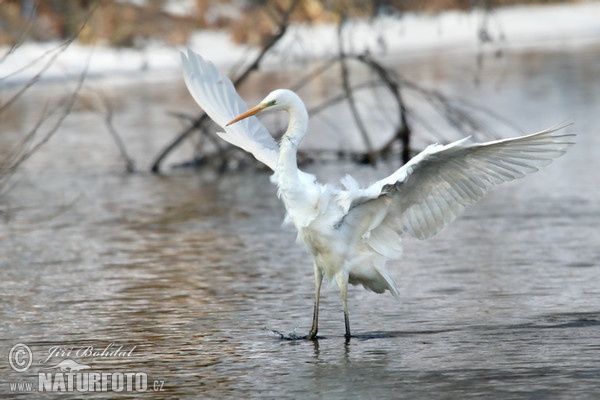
108,121
403,132
24,151
28,145
18,41
371,159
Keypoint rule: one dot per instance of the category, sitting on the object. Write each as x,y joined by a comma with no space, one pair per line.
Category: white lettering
59,383
92,382
81,384
44,381
141,382
57,351
117,382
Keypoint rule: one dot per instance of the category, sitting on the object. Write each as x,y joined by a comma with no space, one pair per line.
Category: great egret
352,231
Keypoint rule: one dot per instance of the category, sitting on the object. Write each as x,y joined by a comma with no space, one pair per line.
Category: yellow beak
253,111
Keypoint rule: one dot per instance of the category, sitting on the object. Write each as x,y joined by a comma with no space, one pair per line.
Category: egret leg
312,335
343,284
346,318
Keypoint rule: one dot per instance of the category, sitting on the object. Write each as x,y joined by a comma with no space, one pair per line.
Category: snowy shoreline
515,28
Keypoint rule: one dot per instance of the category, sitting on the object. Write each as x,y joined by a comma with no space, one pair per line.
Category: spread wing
433,188
216,95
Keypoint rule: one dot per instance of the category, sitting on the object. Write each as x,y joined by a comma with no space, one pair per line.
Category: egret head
280,99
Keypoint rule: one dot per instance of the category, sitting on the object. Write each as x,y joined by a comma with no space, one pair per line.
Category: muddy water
184,277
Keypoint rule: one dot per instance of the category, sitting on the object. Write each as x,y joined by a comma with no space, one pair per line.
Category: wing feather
216,95
432,189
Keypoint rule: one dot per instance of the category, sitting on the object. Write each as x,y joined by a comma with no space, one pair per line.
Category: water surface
192,270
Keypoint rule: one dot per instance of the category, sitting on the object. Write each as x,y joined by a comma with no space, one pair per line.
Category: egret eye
271,103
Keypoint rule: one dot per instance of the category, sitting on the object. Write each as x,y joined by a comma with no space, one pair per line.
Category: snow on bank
515,27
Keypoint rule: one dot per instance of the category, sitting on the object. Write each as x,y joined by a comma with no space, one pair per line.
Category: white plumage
352,231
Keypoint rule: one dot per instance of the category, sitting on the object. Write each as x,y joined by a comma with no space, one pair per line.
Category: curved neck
298,122
294,134
292,189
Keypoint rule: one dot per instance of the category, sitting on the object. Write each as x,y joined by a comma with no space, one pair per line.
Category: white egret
351,231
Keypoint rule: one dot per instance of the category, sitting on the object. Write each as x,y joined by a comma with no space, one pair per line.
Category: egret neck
286,171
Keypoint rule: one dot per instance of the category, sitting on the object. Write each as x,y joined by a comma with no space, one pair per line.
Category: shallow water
190,272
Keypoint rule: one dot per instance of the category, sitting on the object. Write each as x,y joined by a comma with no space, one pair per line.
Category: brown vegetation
113,22
122,23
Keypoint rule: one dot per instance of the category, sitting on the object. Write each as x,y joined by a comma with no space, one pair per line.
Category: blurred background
125,23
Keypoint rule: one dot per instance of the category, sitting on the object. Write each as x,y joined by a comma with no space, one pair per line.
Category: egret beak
253,111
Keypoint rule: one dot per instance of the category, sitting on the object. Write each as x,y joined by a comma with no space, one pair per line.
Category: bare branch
283,25
57,51
26,148
108,121
25,153
403,132
20,39
350,97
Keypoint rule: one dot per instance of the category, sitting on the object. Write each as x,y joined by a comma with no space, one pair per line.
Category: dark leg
312,335
343,284
346,318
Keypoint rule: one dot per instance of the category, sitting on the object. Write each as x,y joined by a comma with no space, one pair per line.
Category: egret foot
312,335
